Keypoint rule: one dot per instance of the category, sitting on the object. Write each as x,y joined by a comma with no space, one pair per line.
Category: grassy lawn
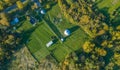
112,5
74,41
42,35
38,39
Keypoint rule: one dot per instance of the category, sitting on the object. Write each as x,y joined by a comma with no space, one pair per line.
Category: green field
110,5
42,35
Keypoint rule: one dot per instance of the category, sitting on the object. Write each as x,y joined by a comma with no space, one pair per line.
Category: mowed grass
42,35
112,5
38,39
74,41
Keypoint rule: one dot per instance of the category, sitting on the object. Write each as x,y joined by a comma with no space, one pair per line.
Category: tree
101,32
105,27
85,19
110,66
8,2
20,5
70,1
101,52
10,39
117,58
1,54
88,47
1,5
104,43
47,6
4,19
118,27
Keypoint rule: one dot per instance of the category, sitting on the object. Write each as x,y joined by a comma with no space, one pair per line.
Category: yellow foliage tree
85,19
4,19
88,47
118,27
10,39
19,4
104,43
101,32
9,2
1,5
117,58
48,6
101,52
105,27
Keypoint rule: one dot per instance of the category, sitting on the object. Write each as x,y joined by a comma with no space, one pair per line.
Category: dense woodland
103,50
100,53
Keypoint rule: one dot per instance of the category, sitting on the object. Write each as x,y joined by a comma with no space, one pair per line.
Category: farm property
42,35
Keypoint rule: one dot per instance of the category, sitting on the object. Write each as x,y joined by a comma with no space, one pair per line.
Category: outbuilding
49,43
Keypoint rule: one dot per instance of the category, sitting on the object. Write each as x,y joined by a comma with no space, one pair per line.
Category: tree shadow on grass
25,38
52,27
74,29
26,35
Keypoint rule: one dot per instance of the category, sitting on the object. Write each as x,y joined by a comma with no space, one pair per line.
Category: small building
67,32
62,39
43,11
49,43
14,21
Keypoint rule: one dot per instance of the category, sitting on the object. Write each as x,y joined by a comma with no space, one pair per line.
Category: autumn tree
88,47
70,1
101,32
4,19
118,27
20,5
85,19
10,39
9,2
117,58
101,52
1,5
104,43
